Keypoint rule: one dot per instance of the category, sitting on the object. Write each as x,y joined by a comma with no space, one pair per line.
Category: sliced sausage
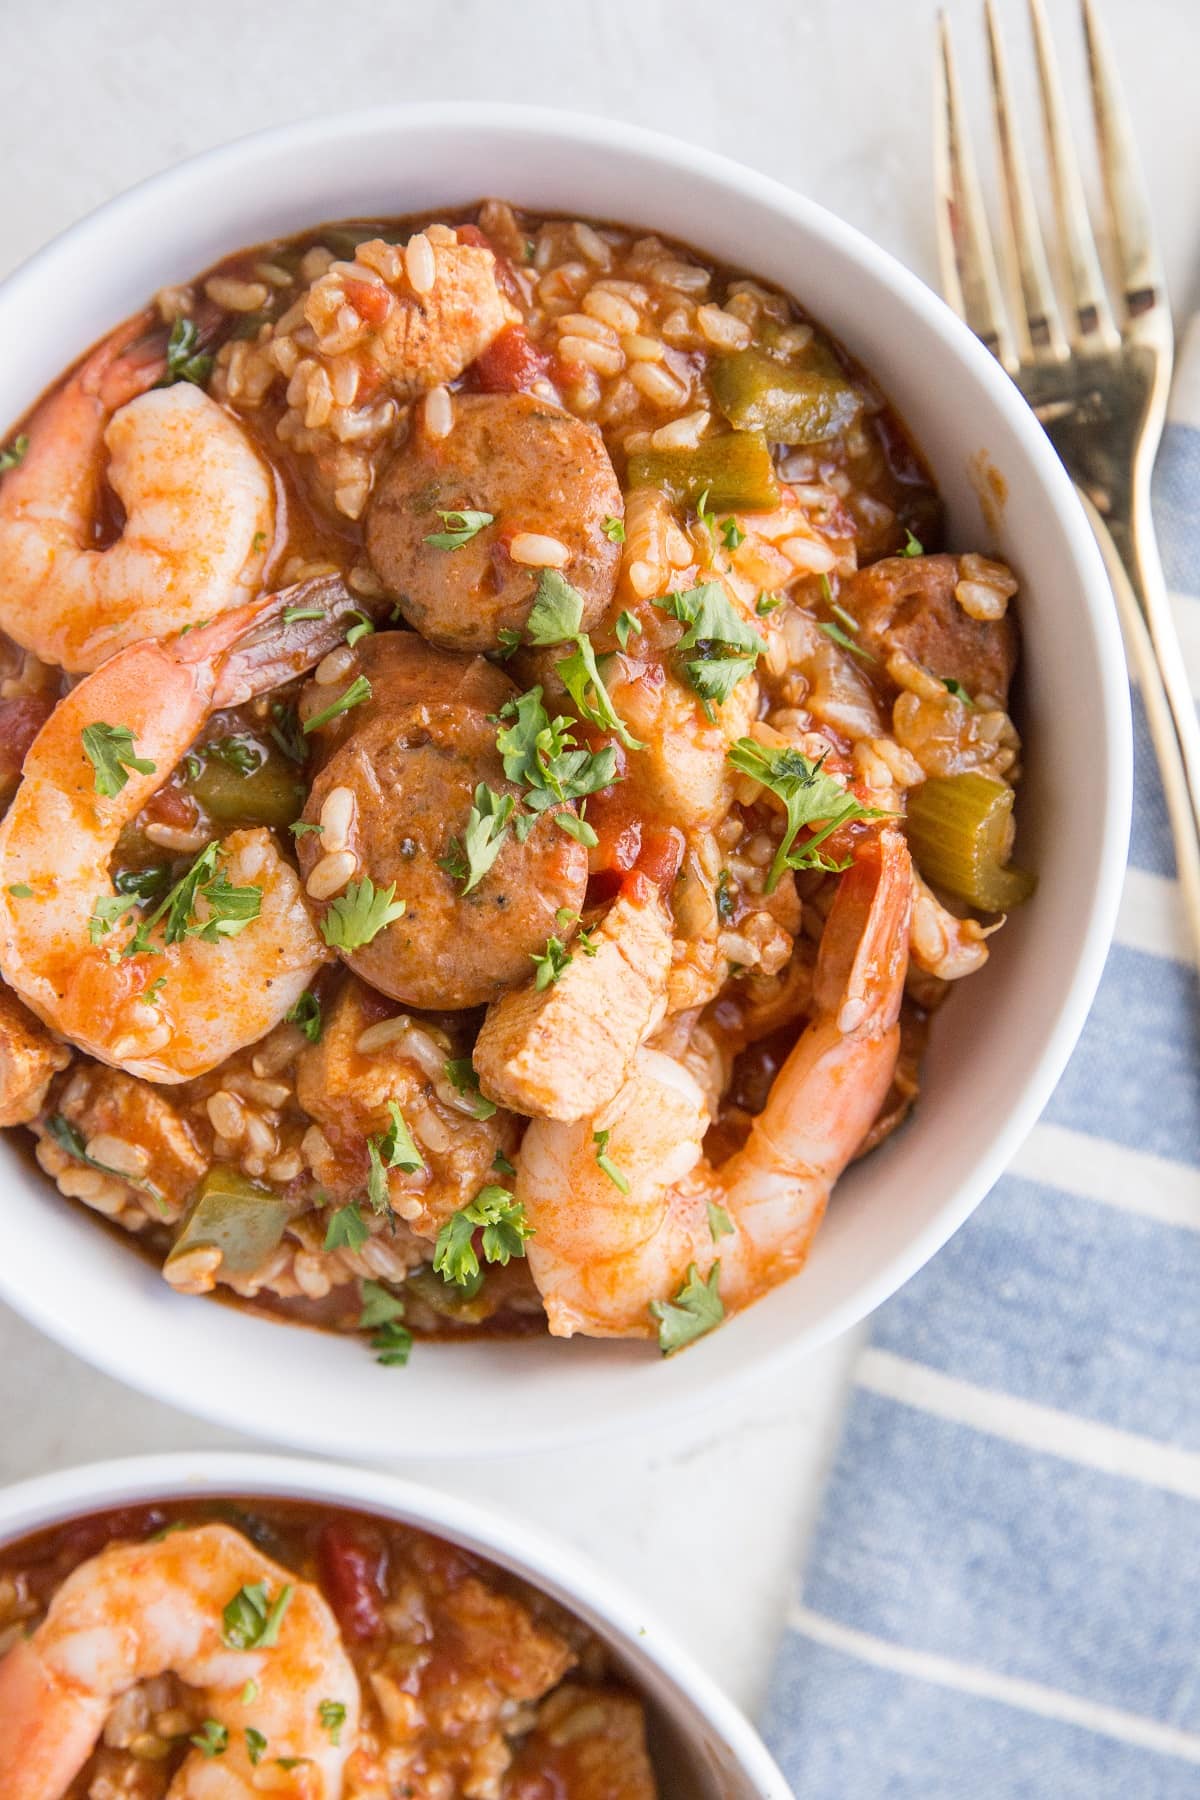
411,758
538,471
907,603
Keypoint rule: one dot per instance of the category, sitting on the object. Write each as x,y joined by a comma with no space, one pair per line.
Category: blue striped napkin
1002,1600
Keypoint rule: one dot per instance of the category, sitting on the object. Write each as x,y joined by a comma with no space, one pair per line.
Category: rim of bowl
542,1559
534,123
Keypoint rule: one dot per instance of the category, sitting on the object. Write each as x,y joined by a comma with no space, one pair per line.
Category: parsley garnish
627,626
184,361
912,545
358,691
550,963
556,618
843,638
301,827
614,530
106,910
249,1693
540,754
460,1072
287,731
256,1743
958,690
307,1015
725,900
21,890
502,1165
109,749
362,627
292,613
381,1313
251,1621
809,797
719,1222
486,829
725,648
767,603
359,914
240,753
393,1150
347,1229
212,1739
696,1308
69,1138
502,1219
707,519
14,454
605,1163
508,642
229,909
732,535
332,1714
470,524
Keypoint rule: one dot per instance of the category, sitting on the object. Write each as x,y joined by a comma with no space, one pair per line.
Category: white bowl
704,1748
998,1049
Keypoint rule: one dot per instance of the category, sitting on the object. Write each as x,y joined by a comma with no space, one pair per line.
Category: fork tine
1138,266
968,261
1039,324
1093,316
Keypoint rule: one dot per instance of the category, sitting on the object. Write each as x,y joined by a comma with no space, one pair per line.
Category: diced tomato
511,363
369,300
171,806
353,1563
661,855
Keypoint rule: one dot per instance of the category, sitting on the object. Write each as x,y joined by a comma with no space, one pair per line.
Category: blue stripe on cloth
1150,843
1066,1302
853,1732
1025,1564
1135,1077
1177,512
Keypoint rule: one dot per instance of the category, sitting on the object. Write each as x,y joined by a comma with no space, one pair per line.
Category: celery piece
960,833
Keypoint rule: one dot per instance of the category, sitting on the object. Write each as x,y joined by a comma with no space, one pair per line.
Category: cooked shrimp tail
601,1255
136,1611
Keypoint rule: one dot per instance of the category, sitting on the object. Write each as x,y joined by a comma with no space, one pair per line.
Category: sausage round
538,471
411,758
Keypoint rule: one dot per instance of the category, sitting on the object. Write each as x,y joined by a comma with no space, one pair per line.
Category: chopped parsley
381,1314
502,1165
487,825
541,755
724,648
227,909
68,1137
614,530
959,692
347,1229
696,1308
605,1163
287,731
470,524
834,631
256,1743
707,519
13,455
332,1715
212,1739
732,535
628,625
185,360
301,827
810,797
307,1015
767,603
240,753
460,1073
249,1693
508,642
550,963
499,1217
293,613
394,1149
912,545
358,691
107,909
362,627
251,1620
109,749
21,890
719,1222
725,901
556,618
358,915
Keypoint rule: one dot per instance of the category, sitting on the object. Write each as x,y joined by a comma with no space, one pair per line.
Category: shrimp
600,1256
136,1611
942,944
175,1009
199,512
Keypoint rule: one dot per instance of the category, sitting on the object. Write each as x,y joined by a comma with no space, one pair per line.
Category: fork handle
1166,708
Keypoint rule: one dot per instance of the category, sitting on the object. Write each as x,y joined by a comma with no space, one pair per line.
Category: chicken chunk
29,1059
563,1052
150,1156
909,604
589,1743
540,474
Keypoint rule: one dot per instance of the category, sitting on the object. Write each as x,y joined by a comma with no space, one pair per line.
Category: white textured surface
833,96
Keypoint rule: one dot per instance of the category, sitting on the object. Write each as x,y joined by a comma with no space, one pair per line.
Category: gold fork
1097,383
